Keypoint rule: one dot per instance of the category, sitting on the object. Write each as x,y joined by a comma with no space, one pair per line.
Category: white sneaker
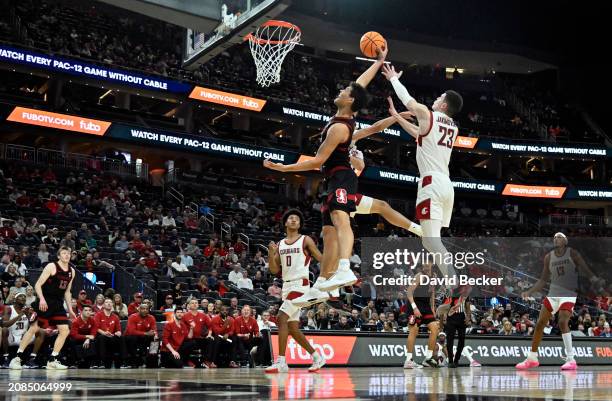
317,363
277,367
311,297
56,365
15,364
475,364
410,364
341,278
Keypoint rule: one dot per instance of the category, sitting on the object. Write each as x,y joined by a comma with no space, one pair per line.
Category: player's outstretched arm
336,134
421,111
410,128
544,278
273,258
366,77
378,126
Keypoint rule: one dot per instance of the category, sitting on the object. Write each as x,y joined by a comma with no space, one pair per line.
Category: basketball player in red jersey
333,158
291,257
53,290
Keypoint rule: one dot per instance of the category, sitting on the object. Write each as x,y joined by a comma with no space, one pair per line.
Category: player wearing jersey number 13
561,268
435,138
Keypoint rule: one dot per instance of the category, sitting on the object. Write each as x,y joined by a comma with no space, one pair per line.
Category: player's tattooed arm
273,258
544,278
336,134
312,249
410,128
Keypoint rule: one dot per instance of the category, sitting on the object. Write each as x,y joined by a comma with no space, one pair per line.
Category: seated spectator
98,304
82,301
177,341
246,334
213,281
108,328
210,249
192,248
223,329
82,338
30,295
343,324
140,331
168,221
507,329
122,244
202,285
43,254
275,290
186,259
202,333
235,275
178,266
119,308
245,282
135,305
169,305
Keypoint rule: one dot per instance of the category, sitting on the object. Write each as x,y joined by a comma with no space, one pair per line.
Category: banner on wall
79,68
390,350
200,144
227,99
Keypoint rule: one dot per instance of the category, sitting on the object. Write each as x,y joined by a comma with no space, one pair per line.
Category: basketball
370,41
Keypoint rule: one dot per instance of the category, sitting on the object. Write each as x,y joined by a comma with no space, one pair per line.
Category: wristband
414,306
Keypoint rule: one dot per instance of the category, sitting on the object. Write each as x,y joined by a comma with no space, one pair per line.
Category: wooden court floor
483,384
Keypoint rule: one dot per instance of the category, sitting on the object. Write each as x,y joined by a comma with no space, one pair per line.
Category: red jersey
246,326
339,159
107,323
55,286
138,325
81,328
133,308
202,323
222,327
174,334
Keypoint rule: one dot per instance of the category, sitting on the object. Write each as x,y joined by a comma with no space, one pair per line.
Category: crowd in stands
200,278
134,41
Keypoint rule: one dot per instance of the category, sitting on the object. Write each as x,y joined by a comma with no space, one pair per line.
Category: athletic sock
21,356
468,355
316,356
280,360
409,356
567,341
428,354
344,265
533,356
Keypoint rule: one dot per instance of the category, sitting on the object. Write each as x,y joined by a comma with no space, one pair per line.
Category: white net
270,44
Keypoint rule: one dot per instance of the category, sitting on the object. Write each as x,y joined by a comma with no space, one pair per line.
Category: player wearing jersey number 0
435,139
291,257
561,268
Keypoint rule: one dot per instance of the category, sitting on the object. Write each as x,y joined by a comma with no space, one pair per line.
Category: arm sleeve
401,91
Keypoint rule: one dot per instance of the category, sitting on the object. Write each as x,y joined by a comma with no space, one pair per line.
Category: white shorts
14,341
291,290
435,198
555,304
363,205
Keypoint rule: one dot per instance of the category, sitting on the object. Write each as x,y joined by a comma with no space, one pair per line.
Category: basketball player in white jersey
291,257
366,204
15,323
436,136
561,268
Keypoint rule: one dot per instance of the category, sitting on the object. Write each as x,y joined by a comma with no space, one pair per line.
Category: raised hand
389,72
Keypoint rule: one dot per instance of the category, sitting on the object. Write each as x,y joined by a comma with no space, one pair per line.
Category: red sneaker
527,364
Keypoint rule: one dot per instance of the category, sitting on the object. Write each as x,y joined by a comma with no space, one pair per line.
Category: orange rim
282,24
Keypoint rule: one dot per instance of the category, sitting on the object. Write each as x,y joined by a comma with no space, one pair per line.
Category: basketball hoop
270,44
